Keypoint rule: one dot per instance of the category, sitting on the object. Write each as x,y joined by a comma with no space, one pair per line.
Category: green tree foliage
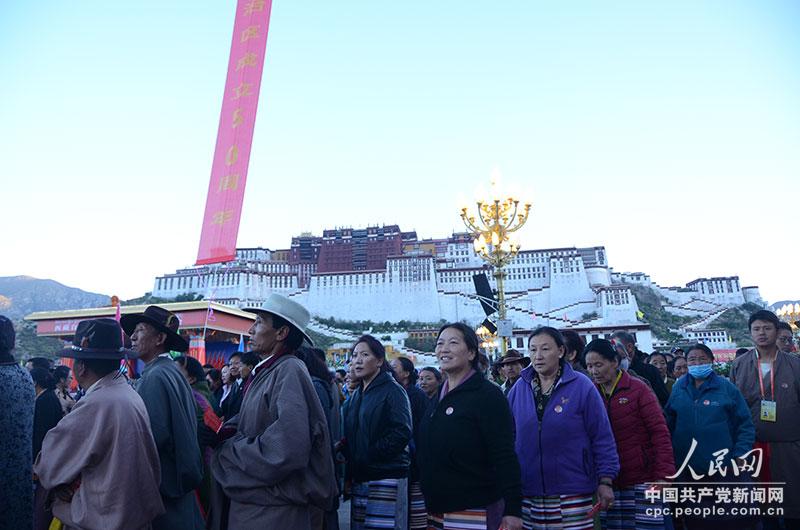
148,299
425,345
323,342
29,344
361,326
661,322
733,320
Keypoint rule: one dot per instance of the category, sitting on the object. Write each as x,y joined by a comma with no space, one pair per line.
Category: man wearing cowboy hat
171,408
277,468
511,365
100,462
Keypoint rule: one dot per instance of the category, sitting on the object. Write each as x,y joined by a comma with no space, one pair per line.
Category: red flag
235,133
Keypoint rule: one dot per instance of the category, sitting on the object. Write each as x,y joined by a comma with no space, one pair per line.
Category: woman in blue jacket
707,414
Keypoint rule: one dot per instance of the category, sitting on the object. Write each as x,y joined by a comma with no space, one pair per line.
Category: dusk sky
668,133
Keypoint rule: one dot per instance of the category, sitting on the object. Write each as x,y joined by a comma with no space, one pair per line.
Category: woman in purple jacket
563,439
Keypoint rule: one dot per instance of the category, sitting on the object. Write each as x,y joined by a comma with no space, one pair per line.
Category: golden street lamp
790,313
498,217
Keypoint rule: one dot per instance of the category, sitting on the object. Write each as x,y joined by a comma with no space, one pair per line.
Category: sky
668,132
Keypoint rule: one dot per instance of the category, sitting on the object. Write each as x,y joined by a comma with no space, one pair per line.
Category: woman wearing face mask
708,410
377,430
643,441
563,439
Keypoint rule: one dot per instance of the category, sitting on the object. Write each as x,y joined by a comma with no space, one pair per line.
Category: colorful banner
197,348
235,134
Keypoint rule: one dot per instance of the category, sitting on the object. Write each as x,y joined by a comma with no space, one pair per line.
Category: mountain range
22,295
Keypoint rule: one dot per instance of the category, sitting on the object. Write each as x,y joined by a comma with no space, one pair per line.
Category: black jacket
466,450
377,430
419,404
47,413
233,402
653,376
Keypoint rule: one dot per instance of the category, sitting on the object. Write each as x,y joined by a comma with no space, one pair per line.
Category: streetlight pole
496,220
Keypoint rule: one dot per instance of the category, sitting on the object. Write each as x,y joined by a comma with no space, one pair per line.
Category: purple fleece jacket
572,447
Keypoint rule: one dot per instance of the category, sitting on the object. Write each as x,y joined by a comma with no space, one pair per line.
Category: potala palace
384,274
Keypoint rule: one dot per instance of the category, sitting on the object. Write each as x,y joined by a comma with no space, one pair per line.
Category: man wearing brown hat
170,404
100,462
277,468
511,365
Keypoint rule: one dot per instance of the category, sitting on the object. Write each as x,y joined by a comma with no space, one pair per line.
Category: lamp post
790,313
497,218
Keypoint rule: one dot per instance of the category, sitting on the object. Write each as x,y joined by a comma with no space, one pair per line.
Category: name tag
768,410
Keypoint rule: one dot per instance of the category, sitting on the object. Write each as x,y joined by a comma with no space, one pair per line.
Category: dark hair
553,333
43,378
39,362
703,348
436,373
234,354
574,342
625,337
295,338
208,366
250,359
654,354
785,326
741,351
60,372
603,348
470,338
215,375
314,359
764,315
483,362
342,372
408,366
101,367
376,348
192,366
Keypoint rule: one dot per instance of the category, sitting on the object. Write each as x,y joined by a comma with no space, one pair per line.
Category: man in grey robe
171,407
100,462
277,467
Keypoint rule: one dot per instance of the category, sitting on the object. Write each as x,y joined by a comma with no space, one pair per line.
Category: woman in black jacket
406,375
47,412
377,428
470,473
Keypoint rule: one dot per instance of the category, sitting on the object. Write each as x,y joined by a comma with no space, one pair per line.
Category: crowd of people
566,435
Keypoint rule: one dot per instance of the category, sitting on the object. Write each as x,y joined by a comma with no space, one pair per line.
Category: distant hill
22,295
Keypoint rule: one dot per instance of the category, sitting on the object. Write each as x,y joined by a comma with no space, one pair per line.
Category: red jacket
640,430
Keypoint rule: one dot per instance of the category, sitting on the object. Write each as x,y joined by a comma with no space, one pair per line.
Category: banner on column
235,133
197,348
